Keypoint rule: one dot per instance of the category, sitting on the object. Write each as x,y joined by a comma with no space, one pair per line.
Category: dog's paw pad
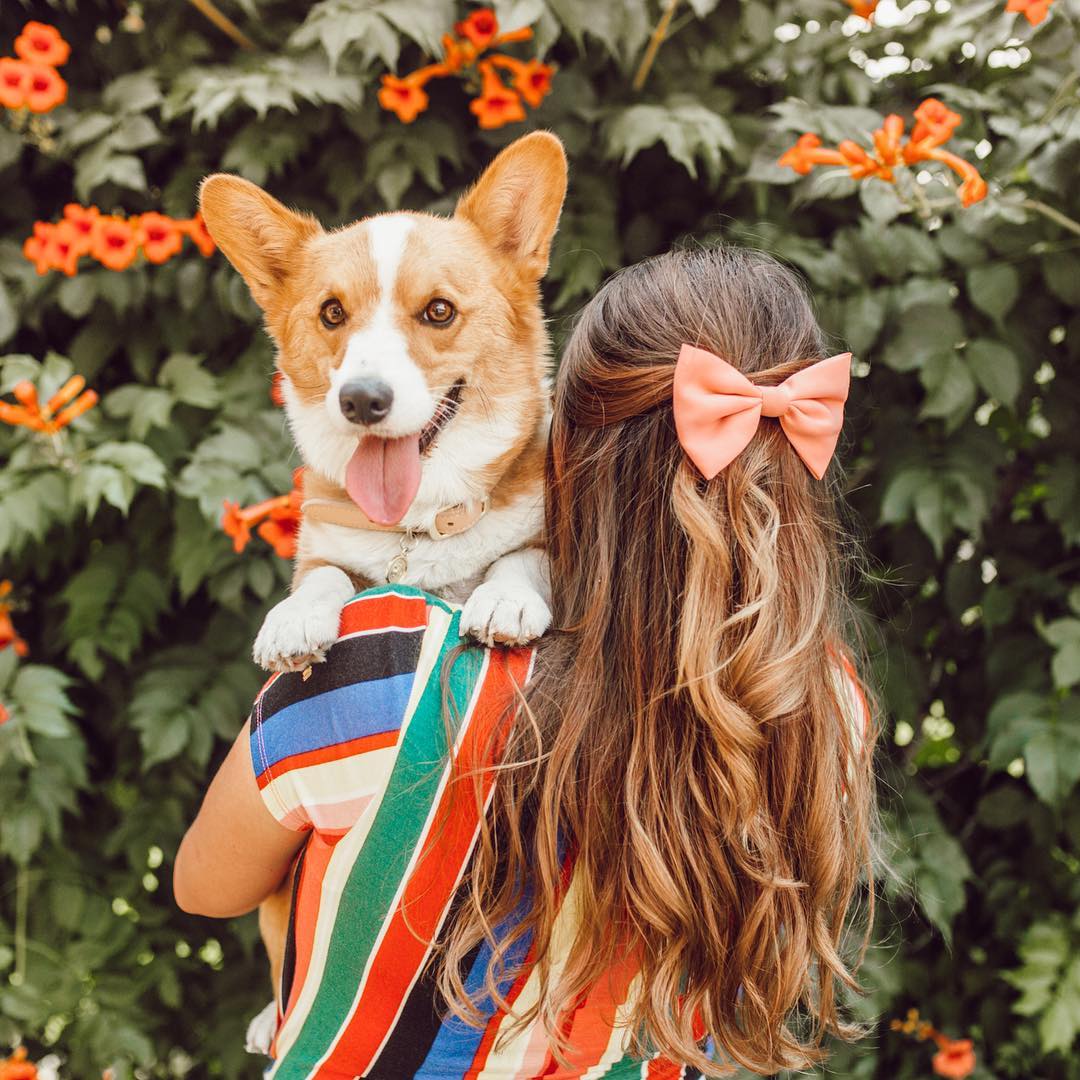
499,614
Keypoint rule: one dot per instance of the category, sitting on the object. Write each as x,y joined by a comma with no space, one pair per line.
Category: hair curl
683,738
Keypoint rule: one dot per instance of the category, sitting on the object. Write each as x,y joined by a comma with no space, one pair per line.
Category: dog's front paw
299,631
502,613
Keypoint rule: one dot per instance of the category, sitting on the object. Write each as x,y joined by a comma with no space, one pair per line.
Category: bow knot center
775,400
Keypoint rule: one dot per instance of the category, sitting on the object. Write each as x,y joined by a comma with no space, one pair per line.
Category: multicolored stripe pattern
360,755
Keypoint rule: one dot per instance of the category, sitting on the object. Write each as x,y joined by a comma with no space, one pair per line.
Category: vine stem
1057,216
22,908
222,22
655,42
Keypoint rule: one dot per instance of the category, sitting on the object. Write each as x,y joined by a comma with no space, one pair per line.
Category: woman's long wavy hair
683,742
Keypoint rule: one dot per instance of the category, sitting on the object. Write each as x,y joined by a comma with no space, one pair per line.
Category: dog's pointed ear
517,200
257,233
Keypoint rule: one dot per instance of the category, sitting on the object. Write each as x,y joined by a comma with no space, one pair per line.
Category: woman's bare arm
235,853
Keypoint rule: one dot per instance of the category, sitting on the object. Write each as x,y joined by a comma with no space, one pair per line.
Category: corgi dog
414,364
415,377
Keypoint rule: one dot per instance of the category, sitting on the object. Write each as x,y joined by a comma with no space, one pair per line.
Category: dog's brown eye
439,311
332,313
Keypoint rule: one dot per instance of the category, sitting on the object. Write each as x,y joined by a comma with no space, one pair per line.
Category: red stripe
479,1061
589,1027
491,1032
308,899
446,846
350,748
382,611
663,1069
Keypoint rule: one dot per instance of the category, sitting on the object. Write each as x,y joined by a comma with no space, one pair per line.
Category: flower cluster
32,81
494,103
1034,10
278,520
68,403
9,638
934,125
113,241
863,8
17,1067
955,1058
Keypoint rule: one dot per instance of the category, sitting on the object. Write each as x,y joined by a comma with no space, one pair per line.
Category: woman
644,863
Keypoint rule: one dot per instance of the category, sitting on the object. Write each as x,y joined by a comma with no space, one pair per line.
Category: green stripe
368,896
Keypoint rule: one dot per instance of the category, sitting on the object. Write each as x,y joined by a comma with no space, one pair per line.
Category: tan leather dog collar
450,521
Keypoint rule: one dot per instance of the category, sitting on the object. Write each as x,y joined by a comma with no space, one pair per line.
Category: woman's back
358,755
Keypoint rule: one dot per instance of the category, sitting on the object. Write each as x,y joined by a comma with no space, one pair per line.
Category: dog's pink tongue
383,475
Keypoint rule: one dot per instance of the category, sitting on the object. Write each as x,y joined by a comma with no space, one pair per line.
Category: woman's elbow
200,893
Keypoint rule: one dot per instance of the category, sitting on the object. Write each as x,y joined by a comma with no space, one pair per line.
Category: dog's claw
299,631
502,614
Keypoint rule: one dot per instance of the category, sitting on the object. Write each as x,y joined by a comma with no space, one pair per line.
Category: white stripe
348,847
415,855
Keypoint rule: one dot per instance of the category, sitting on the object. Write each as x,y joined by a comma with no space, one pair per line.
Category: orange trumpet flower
8,635
14,82
70,400
114,243
276,520
934,125
42,44
45,89
498,104
480,28
159,237
1033,10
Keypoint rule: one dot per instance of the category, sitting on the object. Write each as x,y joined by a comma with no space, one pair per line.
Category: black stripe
288,961
358,659
424,1010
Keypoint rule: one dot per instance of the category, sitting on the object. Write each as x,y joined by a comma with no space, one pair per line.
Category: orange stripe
663,1069
429,889
589,1028
308,897
379,612
352,747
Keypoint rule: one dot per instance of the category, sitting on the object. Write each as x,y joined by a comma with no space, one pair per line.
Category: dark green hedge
962,456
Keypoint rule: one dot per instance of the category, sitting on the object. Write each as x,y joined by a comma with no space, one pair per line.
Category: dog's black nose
365,401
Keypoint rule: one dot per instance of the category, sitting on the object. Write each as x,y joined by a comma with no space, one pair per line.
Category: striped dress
356,755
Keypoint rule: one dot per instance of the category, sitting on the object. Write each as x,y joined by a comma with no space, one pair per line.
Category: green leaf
993,288
189,382
688,129
76,295
8,319
995,368
1052,757
622,28
40,694
950,389
926,331
1064,635
1061,271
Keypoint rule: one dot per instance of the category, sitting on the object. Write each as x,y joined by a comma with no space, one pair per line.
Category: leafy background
962,459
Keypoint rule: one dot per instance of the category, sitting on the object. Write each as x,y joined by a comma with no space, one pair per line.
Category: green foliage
961,459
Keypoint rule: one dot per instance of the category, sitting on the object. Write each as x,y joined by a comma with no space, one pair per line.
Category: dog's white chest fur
452,566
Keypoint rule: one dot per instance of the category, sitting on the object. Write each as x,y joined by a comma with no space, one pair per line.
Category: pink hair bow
717,409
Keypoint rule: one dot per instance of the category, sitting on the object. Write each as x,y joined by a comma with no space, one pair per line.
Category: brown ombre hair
683,741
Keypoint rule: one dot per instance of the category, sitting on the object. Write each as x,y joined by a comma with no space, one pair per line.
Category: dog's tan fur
488,260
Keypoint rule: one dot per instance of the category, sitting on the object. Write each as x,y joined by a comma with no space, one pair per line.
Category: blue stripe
349,712
456,1043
